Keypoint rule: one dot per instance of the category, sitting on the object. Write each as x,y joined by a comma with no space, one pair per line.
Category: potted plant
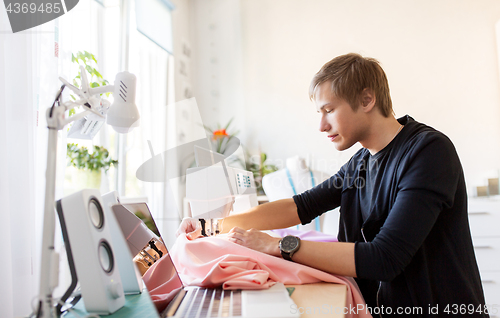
223,142
259,166
89,165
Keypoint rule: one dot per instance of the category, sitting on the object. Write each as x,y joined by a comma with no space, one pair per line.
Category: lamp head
123,115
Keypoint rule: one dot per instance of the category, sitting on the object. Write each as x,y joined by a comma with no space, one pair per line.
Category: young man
404,232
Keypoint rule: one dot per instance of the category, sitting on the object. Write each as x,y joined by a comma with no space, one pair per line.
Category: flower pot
76,180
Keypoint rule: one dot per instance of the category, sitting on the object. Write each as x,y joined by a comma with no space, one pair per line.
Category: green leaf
229,123
85,58
89,69
95,161
208,129
223,144
80,56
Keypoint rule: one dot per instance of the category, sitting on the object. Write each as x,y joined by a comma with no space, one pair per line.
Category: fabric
415,248
215,261
162,282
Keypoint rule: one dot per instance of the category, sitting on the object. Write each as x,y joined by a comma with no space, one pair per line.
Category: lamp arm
72,104
85,81
75,89
102,90
50,258
86,91
78,116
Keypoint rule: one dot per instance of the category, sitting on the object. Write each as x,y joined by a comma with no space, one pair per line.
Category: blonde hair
350,74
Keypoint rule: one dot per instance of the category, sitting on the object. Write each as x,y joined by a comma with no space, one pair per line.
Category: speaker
89,243
129,273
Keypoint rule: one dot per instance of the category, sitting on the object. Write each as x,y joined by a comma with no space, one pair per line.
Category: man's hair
350,74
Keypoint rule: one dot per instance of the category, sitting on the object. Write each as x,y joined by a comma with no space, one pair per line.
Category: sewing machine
214,190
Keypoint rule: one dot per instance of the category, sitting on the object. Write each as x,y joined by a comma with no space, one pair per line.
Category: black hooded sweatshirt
407,216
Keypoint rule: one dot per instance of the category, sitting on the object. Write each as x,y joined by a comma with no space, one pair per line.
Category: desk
135,306
317,300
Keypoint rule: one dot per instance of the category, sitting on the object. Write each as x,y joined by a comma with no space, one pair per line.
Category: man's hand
255,240
191,227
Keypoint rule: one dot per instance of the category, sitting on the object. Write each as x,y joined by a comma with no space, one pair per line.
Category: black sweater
415,249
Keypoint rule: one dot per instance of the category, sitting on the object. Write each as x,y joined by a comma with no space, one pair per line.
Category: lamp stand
49,273
121,120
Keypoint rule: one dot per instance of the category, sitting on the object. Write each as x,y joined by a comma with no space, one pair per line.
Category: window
150,63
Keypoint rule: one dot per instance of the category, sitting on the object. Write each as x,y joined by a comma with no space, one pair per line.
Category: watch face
289,243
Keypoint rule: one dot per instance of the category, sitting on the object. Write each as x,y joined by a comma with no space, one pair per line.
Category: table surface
320,300
316,300
139,305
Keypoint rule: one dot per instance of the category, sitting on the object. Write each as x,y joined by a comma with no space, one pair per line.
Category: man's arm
273,215
269,216
281,213
244,229
332,257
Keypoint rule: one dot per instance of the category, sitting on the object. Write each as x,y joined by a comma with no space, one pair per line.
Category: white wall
254,60
218,62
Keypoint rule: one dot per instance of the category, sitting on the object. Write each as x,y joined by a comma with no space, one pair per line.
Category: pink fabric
215,261
159,279
307,235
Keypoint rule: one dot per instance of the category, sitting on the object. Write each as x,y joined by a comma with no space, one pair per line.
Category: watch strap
287,256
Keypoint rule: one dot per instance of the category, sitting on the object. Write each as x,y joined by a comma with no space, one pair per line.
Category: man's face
342,125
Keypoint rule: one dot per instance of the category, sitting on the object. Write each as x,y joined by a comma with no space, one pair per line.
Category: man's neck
380,133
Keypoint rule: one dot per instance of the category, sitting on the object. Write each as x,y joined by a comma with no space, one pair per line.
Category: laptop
198,302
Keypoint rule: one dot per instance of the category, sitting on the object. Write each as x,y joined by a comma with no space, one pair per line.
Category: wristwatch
288,246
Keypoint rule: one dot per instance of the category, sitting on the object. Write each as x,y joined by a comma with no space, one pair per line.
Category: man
404,232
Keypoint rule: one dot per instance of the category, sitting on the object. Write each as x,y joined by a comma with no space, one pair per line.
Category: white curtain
28,83
149,63
30,64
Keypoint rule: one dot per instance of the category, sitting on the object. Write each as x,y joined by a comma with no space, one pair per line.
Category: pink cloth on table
215,261
162,282
307,235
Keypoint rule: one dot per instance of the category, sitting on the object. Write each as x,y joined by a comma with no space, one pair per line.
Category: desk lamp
122,115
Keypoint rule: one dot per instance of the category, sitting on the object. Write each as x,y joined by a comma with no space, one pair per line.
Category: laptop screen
166,277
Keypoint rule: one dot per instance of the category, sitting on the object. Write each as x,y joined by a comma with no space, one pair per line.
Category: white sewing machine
214,190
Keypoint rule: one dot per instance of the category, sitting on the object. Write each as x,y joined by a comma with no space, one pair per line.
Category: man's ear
368,99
